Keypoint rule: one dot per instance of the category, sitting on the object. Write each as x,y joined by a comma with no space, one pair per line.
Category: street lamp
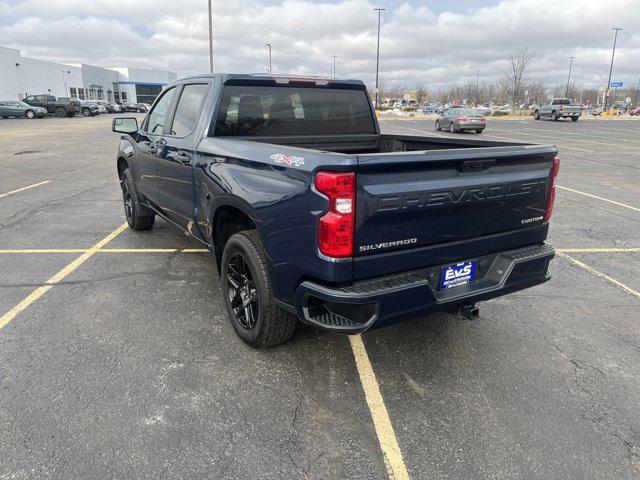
606,93
379,10
334,65
566,93
269,45
210,37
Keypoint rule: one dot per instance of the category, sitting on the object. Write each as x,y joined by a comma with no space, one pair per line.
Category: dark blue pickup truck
312,213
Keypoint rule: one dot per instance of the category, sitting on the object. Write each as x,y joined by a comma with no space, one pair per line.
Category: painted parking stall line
58,277
620,204
607,278
393,460
23,188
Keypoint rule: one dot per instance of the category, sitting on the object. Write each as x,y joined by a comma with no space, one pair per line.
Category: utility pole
477,80
566,93
270,70
379,10
210,37
606,93
334,65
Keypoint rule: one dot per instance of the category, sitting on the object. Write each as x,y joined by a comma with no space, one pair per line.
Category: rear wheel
86,112
61,112
554,116
248,295
136,218
452,128
29,114
438,127
479,130
536,115
574,119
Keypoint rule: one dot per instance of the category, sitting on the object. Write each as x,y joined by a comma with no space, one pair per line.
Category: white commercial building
21,76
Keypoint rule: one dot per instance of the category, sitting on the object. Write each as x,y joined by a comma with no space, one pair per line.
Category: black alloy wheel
242,292
128,201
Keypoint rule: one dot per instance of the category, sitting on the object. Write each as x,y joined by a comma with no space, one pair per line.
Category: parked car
113,107
60,108
87,108
438,224
101,106
131,107
558,108
143,107
634,110
461,119
429,109
13,108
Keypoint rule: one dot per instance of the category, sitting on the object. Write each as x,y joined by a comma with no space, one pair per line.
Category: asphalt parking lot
117,359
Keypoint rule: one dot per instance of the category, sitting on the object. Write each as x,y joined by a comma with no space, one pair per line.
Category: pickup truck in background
558,108
313,214
63,107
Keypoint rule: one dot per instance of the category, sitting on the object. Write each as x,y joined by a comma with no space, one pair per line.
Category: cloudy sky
433,42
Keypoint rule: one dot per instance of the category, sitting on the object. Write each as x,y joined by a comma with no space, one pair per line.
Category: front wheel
86,112
61,112
574,119
248,294
536,115
30,114
132,209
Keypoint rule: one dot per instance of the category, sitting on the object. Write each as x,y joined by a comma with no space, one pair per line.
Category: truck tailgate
418,209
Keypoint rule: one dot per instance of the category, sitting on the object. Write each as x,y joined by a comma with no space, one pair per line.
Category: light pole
379,10
566,93
210,37
269,45
477,91
606,93
334,65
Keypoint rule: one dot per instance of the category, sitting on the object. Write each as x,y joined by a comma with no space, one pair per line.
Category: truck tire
136,219
248,295
61,112
574,119
29,114
479,130
536,115
86,112
554,116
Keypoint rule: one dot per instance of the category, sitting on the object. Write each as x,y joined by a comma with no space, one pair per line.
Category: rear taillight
335,228
463,119
561,107
552,190
482,119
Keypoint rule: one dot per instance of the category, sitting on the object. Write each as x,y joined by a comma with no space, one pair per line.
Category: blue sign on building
616,84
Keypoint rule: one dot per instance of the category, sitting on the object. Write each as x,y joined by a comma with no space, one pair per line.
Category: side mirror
128,125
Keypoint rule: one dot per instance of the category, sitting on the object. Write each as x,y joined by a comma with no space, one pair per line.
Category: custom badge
289,160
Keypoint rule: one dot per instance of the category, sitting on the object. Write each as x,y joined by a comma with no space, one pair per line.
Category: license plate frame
457,274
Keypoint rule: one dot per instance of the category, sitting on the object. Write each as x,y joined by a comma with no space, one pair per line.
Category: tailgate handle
476,165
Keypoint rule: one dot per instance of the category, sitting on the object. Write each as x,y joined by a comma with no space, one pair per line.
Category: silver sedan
460,119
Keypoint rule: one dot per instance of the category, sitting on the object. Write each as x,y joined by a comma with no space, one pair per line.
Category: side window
41,98
188,109
155,123
51,98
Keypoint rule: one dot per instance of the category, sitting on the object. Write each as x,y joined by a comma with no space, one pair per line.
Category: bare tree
421,93
518,74
537,93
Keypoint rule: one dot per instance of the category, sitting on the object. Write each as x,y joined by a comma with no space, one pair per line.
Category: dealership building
21,76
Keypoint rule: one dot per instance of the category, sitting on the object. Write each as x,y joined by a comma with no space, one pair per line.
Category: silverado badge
290,160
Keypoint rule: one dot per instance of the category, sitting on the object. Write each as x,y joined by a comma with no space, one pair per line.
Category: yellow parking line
195,250
23,188
596,250
138,250
600,198
601,275
40,291
386,436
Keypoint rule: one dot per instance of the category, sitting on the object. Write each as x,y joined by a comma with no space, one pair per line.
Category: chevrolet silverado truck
62,107
312,214
558,108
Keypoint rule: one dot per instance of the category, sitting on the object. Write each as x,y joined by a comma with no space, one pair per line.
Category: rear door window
188,109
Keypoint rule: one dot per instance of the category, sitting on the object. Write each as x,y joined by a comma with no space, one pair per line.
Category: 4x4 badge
290,160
